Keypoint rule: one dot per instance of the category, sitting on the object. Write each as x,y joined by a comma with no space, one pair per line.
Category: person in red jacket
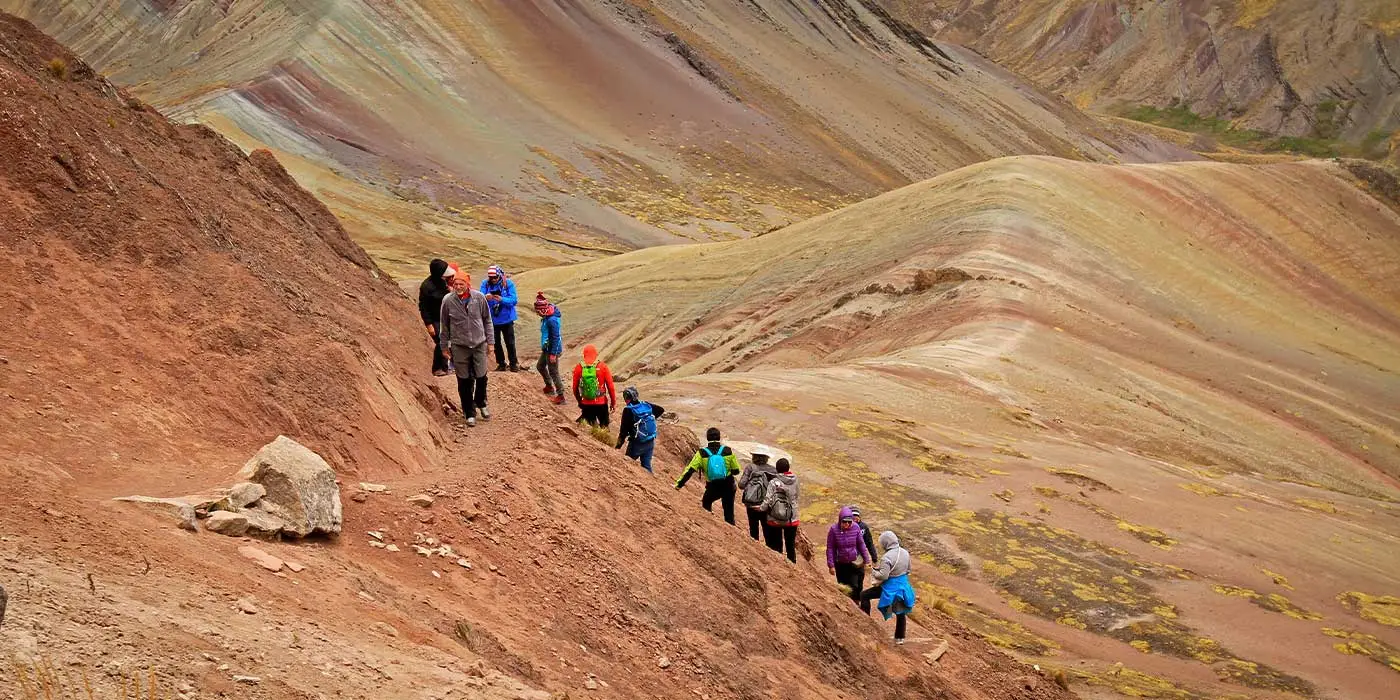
593,388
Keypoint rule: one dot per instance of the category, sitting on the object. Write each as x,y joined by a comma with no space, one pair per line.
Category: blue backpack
715,468
644,430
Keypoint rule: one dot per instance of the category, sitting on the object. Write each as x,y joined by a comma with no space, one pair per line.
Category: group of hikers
465,323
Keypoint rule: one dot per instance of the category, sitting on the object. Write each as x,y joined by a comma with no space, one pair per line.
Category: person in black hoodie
430,294
869,546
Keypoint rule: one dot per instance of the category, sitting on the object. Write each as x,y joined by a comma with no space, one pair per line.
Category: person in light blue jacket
551,347
892,587
501,298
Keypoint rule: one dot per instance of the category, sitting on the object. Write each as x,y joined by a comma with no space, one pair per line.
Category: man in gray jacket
465,337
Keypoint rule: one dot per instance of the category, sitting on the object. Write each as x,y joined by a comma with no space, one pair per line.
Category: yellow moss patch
1200,489
1314,504
1384,609
1150,535
1362,644
1251,11
998,472
1047,491
1279,579
1141,645
1010,452
1272,602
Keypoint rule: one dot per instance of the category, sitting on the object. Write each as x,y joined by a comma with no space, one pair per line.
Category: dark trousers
853,577
594,414
439,362
471,391
780,537
550,372
641,452
505,343
721,490
873,593
756,523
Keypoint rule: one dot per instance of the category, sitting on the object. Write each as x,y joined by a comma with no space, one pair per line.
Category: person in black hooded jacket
430,295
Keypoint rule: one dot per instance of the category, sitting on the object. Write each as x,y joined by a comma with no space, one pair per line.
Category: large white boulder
301,488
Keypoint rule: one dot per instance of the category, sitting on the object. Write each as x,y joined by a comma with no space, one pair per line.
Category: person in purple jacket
846,554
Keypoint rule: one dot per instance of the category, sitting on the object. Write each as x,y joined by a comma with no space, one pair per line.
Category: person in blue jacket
551,347
500,298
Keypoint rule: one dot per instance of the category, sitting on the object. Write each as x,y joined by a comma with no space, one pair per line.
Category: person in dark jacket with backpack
594,389
780,505
753,487
638,427
430,294
501,298
719,467
846,553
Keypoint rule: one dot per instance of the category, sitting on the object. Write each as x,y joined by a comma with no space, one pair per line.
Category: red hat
542,304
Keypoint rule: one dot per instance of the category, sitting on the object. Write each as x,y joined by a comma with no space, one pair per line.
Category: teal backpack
715,468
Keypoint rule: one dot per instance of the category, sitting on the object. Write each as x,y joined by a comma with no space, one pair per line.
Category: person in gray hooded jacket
780,505
892,587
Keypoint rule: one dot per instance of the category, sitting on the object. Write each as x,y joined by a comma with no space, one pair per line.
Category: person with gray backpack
717,464
753,487
780,504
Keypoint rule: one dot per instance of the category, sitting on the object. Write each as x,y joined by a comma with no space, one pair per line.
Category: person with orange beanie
594,389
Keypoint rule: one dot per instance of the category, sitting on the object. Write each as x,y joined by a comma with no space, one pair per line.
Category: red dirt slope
161,286
170,304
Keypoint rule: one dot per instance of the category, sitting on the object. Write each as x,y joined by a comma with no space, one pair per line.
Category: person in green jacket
719,466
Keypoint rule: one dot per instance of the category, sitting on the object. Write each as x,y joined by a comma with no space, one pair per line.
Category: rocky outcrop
285,489
177,510
300,487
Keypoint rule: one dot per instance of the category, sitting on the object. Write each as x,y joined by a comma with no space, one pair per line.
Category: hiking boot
485,413
515,368
471,421
559,400
500,368
441,373
899,642
549,390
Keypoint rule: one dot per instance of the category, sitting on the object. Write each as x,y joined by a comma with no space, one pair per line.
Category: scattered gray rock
241,495
261,558
226,523
301,488
373,488
249,680
385,629
178,510
262,524
295,567
421,500
391,548
663,662
590,683
246,606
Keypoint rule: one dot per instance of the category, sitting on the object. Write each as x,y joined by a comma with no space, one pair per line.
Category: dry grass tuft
602,435
1061,678
58,68
40,680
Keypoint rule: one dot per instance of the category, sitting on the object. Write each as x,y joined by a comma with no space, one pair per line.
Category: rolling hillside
1112,402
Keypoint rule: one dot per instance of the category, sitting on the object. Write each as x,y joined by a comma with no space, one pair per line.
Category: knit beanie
542,304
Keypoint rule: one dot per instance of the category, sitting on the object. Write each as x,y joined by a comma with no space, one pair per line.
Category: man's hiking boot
515,368
471,421
485,413
559,400
500,368
549,390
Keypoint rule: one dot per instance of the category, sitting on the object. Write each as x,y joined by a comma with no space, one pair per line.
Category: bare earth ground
170,304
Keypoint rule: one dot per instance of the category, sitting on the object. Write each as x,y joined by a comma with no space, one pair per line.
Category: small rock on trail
176,509
226,523
421,500
261,558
